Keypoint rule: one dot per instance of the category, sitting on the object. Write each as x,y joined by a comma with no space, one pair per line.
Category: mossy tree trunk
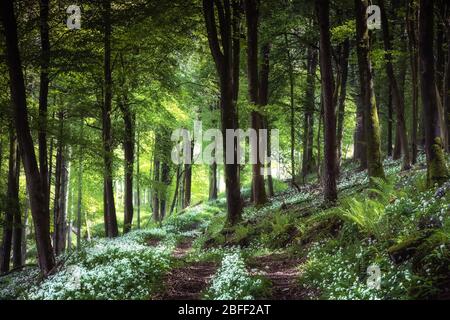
437,171
371,122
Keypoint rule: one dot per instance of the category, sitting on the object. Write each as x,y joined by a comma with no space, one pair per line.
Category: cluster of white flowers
342,276
121,268
232,281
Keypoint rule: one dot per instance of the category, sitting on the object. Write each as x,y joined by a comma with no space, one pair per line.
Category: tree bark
43,96
414,65
397,97
35,186
326,71
292,108
156,186
310,99
342,95
372,129
252,14
128,146
165,179
188,180
177,188
109,206
226,58
263,101
436,170
61,183
12,204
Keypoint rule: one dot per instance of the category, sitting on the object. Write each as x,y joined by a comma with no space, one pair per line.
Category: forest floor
293,248
188,280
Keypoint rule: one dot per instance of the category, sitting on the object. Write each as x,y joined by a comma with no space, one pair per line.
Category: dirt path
188,281
282,271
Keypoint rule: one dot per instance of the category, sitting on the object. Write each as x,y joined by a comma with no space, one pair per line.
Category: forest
224,150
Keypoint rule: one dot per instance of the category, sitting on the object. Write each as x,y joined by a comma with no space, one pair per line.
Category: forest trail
189,280
282,271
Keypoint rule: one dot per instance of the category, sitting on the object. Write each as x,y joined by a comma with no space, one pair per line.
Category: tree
342,95
227,67
395,90
368,101
326,71
252,14
12,207
128,146
437,171
111,229
43,97
36,188
310,102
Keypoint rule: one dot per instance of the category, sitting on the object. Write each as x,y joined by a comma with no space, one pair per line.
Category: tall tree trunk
342,95
263,101
80,195
61,183
128,146
360,146
447,82
390,122
292,108
177,184
226,58
326,70
436,170
138,179
12,205
156,186
43,96
397,97
188,180
165,179
310,99
414,65
35,186
252,14
109,206
25,231
372,130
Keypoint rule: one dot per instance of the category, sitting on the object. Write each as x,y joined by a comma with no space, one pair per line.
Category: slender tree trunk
165,179
397,97
375,165
252,14
447,87
437,170
226,58
61,187
414,65
138,179
109,207
310,99
35,186
25,231
80,195
177,184
188,181
360,146
263,101
128,147
43,95
12,206
156,187
342,95
326,70
292,109
390,121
